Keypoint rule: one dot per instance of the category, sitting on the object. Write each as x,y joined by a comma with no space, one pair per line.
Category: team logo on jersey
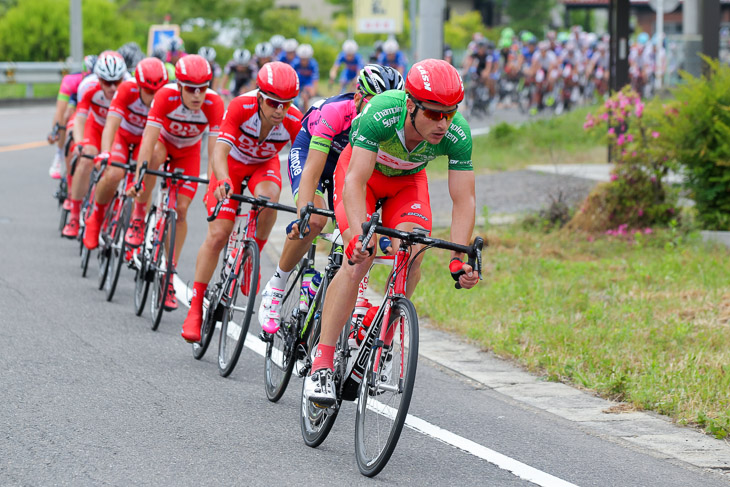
416,206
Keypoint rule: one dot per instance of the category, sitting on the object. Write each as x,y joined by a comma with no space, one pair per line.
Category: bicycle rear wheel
385,392
281,347
118,248
142,278
208,327
161,265
316,423
104,249
85,256
236,319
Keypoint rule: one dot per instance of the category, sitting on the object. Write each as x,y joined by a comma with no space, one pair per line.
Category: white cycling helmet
208,53
290,45
390,46
277,41
264,49
305,51
349,46
110,66
241,56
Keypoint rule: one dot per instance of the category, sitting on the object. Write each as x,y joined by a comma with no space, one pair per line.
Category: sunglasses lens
437,116
275,104
195,89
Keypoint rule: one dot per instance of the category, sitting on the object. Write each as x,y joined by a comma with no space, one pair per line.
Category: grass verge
556,140
17,90
644,321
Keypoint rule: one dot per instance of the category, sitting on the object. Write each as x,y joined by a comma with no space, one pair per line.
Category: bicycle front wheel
386,390
281,347
104,250
236,318
118,248
142,278
161,265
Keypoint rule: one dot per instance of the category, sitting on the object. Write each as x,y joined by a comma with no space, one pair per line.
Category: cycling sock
324,359
99,210
196,304
59,152
139,211
260,243
278,280
75,209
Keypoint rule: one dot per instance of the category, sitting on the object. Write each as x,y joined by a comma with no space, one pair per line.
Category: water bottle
365,324
310,283
230,260
361,309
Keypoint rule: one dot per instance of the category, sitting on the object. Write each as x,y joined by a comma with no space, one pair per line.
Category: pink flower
623,103
655,134
589,124
653,179
647,231
639,110
641,212
629,138
604,116
590,238
633,154
611,131
620,139
614,177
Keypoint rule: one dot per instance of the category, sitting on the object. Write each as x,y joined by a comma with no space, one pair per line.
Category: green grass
647,323
557,140
40,90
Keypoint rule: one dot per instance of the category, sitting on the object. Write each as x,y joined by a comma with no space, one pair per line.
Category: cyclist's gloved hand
100,157
290,228
221,191
456,267
465,278
355,255
385,243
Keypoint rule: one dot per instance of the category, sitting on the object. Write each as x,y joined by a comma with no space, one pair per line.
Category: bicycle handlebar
304,215
256,202
473,251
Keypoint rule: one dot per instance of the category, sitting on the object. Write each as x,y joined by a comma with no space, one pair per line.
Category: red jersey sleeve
161,106
213,109
122,99
239,110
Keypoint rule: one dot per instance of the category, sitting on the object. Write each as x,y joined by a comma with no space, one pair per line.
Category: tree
532,15
38,30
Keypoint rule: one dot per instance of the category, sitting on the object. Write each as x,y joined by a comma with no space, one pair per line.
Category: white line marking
504,462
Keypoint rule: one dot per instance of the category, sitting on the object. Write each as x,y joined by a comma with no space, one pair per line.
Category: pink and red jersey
127,105
94,105
242,126
180,126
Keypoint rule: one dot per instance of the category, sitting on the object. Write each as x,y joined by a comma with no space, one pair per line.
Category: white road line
504,462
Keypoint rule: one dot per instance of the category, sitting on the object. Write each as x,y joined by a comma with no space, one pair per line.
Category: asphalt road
90,395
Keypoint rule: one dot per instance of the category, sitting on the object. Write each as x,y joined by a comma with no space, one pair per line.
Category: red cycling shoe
192,325
135,233
91,234
71,230
170,299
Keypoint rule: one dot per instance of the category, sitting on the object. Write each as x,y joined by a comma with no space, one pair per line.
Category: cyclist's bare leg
294,249
108,185
158,158
181,224
267,217
218,232
82,174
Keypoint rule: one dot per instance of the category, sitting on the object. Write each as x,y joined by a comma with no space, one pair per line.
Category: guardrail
31,73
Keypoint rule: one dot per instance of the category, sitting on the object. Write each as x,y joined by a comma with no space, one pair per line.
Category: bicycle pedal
266,337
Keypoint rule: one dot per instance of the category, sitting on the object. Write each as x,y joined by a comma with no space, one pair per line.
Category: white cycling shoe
269,310
56,169
319,388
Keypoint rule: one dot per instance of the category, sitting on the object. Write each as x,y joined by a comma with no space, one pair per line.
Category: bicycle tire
85,255
233,337
162,279
141,279
284,342
107,234
207,329
370,454
316,423
118,248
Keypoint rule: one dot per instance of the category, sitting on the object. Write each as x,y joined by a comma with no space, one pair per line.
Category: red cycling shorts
187,158
120,147
266,171
407,198
92,134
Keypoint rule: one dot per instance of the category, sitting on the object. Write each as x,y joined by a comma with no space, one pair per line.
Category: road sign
379,16
159,35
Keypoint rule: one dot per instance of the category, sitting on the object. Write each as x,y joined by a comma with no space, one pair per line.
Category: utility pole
77,38
431,29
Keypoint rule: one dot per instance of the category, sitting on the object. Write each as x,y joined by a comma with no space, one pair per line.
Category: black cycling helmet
375,79
132,54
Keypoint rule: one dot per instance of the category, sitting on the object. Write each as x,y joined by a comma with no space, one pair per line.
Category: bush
697,130
636,197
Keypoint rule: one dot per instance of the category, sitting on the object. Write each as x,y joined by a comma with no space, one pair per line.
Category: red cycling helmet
278,80
435,81
151,74
193,70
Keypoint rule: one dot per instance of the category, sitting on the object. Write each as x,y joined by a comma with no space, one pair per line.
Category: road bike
239,270
290,343
381,372
155,261
87,206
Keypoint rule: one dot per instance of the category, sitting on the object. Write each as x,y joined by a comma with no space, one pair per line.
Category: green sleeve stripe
320,144
63,97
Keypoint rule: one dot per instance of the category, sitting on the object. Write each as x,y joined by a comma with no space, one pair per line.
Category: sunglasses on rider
435,115
274,103
195,90
110,83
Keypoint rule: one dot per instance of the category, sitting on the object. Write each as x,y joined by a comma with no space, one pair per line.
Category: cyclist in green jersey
391,142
